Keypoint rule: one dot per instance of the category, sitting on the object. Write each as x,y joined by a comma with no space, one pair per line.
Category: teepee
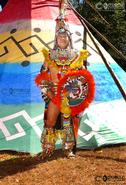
26,27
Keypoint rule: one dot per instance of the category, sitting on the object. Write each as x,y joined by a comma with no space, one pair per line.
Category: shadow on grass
106,155
20,162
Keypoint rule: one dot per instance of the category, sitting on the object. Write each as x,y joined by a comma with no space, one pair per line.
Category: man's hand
50,94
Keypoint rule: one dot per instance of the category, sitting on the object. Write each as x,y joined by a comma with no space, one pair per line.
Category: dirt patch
90,167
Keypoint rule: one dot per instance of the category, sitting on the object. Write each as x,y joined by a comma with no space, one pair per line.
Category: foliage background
114,28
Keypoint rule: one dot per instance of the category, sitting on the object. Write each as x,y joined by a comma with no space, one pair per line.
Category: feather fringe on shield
42,76
90,95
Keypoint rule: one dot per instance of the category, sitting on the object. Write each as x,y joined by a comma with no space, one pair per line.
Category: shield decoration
80,89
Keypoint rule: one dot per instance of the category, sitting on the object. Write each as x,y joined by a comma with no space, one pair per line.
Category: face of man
62,40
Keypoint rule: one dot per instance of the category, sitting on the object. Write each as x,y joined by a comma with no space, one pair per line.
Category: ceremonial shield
79,87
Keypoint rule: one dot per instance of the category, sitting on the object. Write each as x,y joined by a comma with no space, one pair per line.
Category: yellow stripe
16,47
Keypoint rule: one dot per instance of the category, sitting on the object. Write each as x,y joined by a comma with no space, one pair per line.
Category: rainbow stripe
26,27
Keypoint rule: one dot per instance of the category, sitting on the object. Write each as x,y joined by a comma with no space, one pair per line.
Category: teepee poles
93,7
115,78
98,33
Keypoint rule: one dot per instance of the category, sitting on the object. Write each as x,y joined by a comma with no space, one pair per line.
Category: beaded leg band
50,136
68,140
48,142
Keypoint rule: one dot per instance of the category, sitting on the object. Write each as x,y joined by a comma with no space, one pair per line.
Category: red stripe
33,9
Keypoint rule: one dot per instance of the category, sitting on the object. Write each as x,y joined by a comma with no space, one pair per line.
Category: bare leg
48,140
52,114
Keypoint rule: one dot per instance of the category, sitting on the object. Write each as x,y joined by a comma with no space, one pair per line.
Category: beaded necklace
63,57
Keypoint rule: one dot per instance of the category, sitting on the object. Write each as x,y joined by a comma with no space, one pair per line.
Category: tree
114,13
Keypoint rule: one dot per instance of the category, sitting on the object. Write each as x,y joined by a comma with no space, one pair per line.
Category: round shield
79,87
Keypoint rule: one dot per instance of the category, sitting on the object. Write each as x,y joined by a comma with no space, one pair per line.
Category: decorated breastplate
76,87
62,57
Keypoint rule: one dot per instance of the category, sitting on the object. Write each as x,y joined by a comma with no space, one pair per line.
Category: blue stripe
17,68
17,84
106,89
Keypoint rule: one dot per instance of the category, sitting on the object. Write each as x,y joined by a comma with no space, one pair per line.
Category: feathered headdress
62,26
